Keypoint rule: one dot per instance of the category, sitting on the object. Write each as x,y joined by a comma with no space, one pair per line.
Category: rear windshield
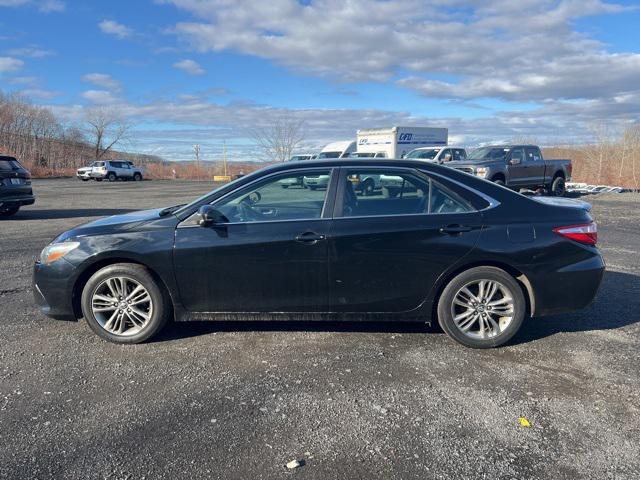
330,155
489,153
9,164
424,154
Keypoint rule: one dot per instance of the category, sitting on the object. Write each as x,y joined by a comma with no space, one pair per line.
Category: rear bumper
53,289
18,200
569,288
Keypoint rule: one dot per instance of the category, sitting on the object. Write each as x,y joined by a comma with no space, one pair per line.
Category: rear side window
9,164
395,193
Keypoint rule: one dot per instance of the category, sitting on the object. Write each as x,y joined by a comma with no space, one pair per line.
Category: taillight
586,233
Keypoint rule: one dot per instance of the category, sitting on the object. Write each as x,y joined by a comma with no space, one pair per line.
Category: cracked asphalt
365,400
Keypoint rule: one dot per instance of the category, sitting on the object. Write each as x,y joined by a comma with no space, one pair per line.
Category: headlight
56,251
481,171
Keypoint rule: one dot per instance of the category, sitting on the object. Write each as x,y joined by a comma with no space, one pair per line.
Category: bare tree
278,140
106,129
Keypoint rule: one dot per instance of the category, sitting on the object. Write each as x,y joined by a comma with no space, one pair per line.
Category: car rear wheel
123,303
499,181
9,210
112,177
482,307
558,187
137,177
368,187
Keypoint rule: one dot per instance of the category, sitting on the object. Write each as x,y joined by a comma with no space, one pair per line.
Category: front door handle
310,238
455,229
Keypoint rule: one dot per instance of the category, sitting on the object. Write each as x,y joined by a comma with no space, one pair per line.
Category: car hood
563,202
115,223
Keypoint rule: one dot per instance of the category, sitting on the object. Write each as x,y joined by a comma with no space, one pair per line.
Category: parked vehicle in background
113,170
368,155
84,173
518,166
453,249
302,156
438,154
314,181
396,142
337,149
15,186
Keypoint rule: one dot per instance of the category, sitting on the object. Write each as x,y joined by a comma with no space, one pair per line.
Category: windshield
425,154
362,155
9,164
488,153
330,155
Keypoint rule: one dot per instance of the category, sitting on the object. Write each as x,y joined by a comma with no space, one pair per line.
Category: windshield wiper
166,211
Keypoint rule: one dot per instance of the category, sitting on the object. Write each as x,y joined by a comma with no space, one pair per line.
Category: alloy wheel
122,306
483,309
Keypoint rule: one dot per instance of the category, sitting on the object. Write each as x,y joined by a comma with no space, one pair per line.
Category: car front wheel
112,177
123,303
482,307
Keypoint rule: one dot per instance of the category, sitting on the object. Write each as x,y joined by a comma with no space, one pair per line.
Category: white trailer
396,142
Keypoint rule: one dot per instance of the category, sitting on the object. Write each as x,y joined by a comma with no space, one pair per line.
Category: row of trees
49,146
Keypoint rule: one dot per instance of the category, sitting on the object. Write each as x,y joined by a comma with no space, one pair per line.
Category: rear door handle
310,238
455,229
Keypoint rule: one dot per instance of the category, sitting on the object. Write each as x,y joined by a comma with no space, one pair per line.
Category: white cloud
525,50
189,66
112,27
100,97
103,80
45,6
31,51
9,64
39,93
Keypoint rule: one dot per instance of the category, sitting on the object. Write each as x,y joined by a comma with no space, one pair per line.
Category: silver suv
113,170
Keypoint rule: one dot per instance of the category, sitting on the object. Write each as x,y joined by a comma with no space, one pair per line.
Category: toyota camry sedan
446,246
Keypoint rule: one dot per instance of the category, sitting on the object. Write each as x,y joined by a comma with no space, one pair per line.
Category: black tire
285,186
446,307
312,187
368,187
98,179
84,179
112,177
9,210
137,177
159,298
558,187
390,192
499,181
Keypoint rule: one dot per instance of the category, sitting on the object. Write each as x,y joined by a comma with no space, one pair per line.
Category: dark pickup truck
15,186
517,166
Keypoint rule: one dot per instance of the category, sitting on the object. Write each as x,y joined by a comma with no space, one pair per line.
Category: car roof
510,145
353,162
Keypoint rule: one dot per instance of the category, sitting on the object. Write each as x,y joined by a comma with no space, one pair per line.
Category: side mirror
210,216
515,161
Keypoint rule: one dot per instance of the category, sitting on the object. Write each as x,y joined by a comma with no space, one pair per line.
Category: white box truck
396,142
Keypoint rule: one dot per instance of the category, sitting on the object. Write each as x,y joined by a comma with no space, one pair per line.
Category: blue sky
187,71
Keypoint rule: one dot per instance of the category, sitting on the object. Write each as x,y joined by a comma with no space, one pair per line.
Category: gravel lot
240,400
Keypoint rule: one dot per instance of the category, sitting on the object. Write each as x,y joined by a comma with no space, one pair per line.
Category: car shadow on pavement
35,214
613,308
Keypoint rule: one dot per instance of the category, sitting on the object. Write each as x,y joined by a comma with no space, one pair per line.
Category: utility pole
224,156
196,149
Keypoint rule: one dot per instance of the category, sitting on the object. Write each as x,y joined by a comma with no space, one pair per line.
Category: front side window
402,193
533,154
278,199
459,154
517,154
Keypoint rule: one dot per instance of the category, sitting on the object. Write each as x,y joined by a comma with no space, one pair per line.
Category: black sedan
443,245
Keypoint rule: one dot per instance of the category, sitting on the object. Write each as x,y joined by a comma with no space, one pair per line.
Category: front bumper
53,289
